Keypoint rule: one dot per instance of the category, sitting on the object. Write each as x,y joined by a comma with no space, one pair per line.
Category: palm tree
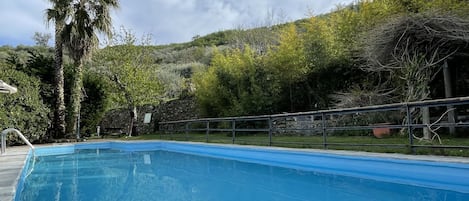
87,18
58,14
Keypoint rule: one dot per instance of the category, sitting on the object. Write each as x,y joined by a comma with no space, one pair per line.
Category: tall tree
289,60
87,18
58,14
132,70
412,49
237,83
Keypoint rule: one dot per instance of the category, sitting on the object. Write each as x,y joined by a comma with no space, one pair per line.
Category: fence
348,128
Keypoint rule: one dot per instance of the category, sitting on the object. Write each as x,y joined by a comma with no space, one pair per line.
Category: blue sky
168,21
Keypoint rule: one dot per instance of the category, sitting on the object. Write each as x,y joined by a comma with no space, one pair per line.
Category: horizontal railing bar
197,129
443,125
297,129
391,126
229,129
298,143
441,146
221,129
338,128
251,141
368,145
251,130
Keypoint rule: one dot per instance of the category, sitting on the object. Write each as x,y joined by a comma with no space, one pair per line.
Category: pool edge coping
427,158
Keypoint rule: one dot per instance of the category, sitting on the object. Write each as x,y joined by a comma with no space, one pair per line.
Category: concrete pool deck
11,164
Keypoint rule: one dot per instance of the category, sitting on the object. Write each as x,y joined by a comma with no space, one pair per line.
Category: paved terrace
11,165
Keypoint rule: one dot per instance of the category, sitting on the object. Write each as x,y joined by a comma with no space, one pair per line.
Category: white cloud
20,19
169,21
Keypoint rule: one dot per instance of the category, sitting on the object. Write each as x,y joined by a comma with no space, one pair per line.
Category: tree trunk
76,97
133,118
449,94
59,107
130,102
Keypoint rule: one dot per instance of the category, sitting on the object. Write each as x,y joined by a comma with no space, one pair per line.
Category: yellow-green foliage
133,70
236,83
333,38
457,7
288,60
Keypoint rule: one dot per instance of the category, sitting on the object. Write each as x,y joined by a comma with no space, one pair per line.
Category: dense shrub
24,110
96,101
236,83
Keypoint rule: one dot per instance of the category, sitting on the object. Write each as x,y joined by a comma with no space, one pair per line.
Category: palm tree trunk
76,97
59,110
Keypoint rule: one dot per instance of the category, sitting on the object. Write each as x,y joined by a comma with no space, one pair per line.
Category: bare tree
42,39
412,49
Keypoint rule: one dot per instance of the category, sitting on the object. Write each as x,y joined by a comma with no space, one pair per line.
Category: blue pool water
181,171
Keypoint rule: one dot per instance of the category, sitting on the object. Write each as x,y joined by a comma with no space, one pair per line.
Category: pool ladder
4,136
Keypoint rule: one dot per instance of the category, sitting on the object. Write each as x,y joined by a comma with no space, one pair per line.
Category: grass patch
393,144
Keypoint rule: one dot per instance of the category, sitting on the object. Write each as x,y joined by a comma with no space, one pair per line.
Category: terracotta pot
381,132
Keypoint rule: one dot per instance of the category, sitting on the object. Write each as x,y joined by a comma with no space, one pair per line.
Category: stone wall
117,121
307,125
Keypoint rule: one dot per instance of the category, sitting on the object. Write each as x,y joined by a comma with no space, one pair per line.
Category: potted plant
381,122
381,132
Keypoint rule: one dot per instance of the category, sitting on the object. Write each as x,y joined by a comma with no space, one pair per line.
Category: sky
167,21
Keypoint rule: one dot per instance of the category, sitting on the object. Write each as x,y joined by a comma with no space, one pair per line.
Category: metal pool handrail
9,130
5,88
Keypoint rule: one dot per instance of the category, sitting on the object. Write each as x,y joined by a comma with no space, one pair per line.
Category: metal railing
327,123
10,130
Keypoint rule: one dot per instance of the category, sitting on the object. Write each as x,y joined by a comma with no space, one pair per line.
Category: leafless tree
412,49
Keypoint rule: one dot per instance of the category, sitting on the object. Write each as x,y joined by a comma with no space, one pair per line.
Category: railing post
270,131
233,131
171,131
409,128
187,130
3,143
324,133
165,128
207,130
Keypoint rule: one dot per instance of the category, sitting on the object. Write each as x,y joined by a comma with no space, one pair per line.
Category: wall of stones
117,121
307,125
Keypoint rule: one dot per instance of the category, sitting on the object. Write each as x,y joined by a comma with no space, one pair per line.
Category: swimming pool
190,171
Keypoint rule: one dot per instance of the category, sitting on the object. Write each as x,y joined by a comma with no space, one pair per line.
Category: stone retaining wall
117,121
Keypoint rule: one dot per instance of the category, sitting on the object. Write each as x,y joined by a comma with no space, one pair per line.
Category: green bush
95,103
25,109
